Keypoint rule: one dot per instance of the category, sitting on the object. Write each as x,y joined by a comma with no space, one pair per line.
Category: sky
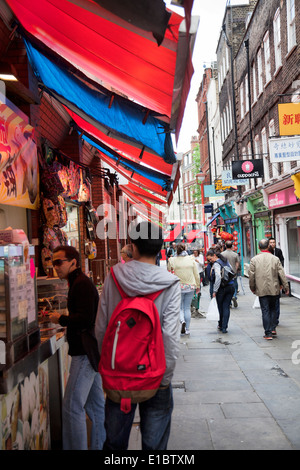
211,14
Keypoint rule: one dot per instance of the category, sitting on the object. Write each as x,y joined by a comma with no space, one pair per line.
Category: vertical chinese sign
19,178
289,118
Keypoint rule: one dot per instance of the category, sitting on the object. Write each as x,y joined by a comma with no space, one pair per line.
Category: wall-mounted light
7,72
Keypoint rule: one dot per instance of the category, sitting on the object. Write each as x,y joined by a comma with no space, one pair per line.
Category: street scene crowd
116,330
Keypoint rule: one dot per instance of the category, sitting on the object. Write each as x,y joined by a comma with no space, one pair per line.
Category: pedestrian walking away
142,277
171,251
84,394
221,290
234,261
185,268
126,253
266,275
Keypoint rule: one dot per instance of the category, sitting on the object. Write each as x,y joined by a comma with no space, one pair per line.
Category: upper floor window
260,72
267,56
254,82
277,39
291,24
242,100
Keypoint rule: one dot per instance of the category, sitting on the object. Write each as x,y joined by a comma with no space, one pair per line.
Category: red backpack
132,362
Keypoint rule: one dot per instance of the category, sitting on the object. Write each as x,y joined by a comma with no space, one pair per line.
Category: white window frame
242,100
291,24
275,170
277,40
264,144
254,82
246,94
267,56
260,72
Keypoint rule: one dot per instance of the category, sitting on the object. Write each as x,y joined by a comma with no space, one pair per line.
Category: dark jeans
277,309
268,310
155,421
224,296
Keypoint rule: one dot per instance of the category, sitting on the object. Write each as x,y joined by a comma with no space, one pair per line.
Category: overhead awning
145,206
212,219
121,119
135,152
146,195
123,57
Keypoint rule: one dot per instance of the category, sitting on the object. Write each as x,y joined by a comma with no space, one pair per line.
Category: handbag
212,311
90,345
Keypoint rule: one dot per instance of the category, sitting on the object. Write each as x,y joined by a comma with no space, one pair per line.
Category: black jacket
278,253
83,301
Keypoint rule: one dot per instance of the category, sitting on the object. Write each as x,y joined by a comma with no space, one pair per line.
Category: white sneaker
187,332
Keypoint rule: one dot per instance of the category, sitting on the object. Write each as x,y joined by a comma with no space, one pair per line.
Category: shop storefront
286,213
261,219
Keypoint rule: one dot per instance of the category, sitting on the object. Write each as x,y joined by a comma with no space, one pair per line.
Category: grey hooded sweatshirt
139,278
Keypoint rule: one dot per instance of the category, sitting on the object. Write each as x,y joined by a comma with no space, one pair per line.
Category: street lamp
200,178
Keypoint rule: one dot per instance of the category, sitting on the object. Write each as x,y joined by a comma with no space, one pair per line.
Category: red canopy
109,50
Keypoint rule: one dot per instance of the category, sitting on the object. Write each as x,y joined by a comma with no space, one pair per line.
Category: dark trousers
268,310
155,419
224,296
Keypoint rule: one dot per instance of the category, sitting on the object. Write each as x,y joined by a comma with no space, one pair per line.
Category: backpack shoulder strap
123,295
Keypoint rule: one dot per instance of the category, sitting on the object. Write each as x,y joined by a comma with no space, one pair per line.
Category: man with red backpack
137,328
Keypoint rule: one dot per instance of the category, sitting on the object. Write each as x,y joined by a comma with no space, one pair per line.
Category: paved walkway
237,391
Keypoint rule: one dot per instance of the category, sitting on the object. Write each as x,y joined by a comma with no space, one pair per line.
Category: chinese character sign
284,149
19,177
289,118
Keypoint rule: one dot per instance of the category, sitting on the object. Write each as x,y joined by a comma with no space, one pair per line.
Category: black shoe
183,328
235,304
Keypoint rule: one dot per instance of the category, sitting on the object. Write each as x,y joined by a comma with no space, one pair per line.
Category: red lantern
230,237
235,233
235,238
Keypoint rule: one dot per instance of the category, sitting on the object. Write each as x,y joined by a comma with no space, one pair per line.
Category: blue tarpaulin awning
121,118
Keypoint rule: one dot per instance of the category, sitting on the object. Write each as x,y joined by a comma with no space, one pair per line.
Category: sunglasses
59,262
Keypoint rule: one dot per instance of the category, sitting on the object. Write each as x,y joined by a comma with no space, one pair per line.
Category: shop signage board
244,169
289,118
19,178
283,198
220,188
227,179
284,149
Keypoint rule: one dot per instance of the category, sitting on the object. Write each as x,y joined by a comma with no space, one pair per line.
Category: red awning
106,48
133,152
144,194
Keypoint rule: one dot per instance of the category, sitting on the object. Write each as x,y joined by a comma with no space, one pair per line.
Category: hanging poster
289,118
247,169
19,177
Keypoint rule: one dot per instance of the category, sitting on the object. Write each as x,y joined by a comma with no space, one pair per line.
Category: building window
260,72
267,57
242,100
246,94
291,24
293,236
275,166
265,155
277,39
254,82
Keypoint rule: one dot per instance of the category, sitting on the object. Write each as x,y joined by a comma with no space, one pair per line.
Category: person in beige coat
186,269
266,276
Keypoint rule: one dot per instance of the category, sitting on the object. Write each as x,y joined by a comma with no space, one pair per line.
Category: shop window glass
293,236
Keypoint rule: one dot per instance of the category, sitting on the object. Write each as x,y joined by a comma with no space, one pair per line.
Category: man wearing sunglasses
84,393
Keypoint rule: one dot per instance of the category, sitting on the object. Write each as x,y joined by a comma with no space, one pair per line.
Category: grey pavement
237,391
